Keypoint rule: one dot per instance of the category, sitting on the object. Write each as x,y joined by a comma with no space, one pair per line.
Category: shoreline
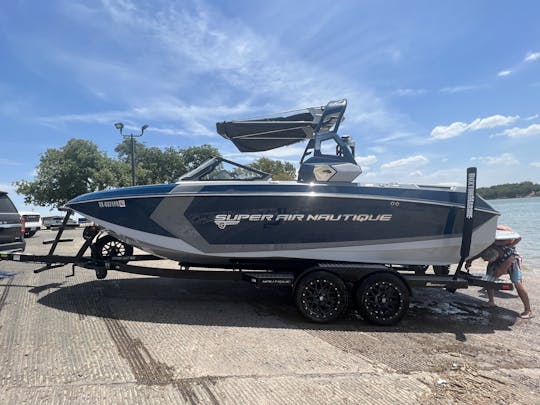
511,198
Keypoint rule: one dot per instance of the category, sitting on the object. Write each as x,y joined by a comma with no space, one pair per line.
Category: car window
6,205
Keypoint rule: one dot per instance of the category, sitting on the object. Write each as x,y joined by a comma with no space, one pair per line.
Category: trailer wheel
321,296
382,299
108,246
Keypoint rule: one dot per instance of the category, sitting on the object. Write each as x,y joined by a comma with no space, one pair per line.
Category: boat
224,213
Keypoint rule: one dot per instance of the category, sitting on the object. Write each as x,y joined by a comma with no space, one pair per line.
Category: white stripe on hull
427,252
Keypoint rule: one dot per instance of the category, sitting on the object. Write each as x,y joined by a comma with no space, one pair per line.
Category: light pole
120,127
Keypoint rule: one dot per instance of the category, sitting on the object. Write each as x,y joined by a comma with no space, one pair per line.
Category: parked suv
31,222
11,236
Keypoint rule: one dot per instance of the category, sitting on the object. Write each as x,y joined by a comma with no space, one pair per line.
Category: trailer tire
321,296
108,246
382,299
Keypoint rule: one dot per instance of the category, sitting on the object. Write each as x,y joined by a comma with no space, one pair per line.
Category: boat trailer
322,291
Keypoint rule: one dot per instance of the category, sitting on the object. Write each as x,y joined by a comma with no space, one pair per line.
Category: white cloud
531,130
409,92
450,173
411,175
366,160
492,122
532,117
450,131
377,149
532,56
409,162
207,43
293,152
460,89
284,152
367,175
458,128
535,164
191,48
529,57
506,159
194,120
396,136
168,131
445,177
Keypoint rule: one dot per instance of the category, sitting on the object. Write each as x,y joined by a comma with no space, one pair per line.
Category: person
503,258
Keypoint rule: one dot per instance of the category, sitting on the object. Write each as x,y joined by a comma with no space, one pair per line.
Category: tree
64,173
155,165
278,169
194,156
123,150
159,166
79,167
510,190
152,165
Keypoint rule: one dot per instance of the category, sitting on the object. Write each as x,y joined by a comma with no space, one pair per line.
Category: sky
432,87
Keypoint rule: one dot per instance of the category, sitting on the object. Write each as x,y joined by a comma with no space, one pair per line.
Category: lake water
523,215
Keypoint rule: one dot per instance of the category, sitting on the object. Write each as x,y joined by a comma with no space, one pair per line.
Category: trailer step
269,278
431,281
483,280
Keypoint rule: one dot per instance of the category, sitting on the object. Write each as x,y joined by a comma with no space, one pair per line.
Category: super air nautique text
223,220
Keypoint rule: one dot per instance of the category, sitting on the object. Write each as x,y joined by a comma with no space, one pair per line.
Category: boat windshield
219,168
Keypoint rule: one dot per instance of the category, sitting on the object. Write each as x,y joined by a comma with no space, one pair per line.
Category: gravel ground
135,339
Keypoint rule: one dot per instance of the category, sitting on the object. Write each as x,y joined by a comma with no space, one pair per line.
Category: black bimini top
260,134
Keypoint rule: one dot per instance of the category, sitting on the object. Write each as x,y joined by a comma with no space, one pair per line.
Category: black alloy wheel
382,299
321,296
108,246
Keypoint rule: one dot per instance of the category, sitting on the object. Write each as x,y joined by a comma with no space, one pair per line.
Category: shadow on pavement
226,303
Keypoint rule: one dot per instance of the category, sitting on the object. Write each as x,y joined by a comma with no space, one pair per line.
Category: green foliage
64,173
278,169
79,167
194,156
155,165
123,149
510,190
159,166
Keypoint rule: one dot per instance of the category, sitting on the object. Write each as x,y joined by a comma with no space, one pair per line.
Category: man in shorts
502,258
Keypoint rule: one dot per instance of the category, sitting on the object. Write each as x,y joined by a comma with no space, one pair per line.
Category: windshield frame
210,165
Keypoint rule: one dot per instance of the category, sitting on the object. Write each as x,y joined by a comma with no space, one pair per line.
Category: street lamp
120,127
